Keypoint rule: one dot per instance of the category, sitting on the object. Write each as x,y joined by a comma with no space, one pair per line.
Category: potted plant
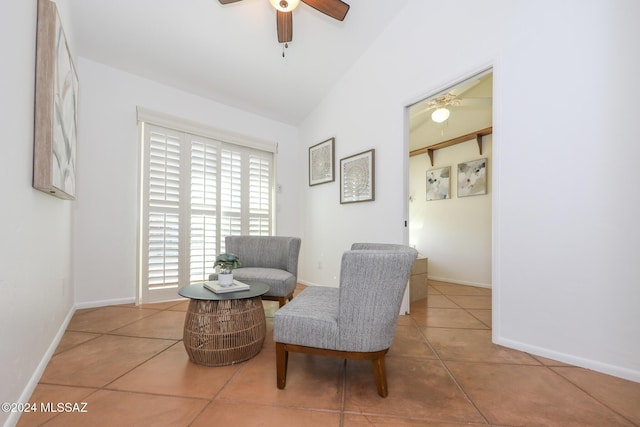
225,263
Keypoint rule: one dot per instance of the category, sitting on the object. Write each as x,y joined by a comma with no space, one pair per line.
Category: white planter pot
225,279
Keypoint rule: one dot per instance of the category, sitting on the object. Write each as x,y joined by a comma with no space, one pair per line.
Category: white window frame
184,130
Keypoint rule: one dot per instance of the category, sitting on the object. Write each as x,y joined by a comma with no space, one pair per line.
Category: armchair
355,321
269,259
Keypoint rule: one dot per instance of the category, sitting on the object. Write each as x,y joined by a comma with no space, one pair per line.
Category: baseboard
104,303
12,420
459,282
307,283
616,371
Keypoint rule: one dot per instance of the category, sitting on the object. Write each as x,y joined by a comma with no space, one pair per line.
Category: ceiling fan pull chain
284,46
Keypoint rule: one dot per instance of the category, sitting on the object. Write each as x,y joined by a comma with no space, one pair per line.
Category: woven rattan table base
224,332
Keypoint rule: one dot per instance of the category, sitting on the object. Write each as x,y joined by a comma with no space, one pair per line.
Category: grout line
344,392
139,364
448,371
97,335
585,391
342,410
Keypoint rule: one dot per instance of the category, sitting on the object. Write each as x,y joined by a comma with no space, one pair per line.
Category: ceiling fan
336,9
472,94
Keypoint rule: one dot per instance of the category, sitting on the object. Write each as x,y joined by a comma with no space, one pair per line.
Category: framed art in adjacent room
472,178
56,107
357,178
439,183
321,162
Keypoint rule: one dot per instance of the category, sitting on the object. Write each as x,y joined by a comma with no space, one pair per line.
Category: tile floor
129,365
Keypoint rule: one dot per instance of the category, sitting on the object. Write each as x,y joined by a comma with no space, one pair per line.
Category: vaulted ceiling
472,110
230,53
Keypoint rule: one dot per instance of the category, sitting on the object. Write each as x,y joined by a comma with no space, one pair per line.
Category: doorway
450,145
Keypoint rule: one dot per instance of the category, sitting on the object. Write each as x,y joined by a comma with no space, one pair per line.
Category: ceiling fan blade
336,9
227,1
285,26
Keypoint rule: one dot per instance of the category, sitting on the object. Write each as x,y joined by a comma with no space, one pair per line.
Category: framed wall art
357,178
472,178
321,162
439,183
56,107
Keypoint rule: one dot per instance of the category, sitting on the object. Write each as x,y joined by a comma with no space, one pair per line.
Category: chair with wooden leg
357,320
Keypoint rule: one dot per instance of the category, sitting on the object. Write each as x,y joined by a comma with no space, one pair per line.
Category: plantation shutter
204,195
163,210
231,190
195,191
259,196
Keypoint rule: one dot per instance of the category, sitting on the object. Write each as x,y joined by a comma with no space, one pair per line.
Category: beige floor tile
404,320
441,301
417,387
531,396
453,289
409,342
446,318
473,345
357,420
120,361
432,290
618,394
46,397
181,306
112,408
313,382
225,413
172,373
163,305
98,362
419,305
472,301
548,362
71,339
163,324
482,315
106,319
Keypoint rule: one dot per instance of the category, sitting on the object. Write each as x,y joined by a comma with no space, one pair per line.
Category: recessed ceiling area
470,104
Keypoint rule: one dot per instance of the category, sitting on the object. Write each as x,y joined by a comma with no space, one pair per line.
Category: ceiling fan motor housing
337,9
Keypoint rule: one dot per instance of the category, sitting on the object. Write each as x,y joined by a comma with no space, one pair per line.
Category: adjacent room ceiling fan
472,94
336,9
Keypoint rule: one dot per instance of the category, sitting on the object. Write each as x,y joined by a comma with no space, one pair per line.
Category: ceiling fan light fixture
440,115
284,5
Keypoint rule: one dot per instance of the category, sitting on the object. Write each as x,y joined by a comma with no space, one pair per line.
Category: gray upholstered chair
269,259
355,321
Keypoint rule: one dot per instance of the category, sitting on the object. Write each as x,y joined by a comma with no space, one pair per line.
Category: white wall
565,268
106,214
366,109
455,233
35,248
567,239
565,228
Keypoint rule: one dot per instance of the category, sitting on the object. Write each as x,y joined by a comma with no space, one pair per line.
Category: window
195,191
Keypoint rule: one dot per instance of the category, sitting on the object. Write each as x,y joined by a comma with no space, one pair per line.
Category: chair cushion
310,319
266,251
281,282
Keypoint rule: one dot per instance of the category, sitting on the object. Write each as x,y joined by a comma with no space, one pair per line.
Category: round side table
223,329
